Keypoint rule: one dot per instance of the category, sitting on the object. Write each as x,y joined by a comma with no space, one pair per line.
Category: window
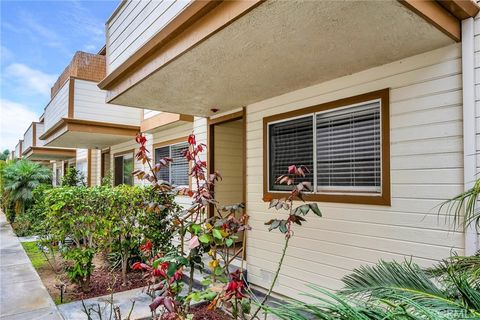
177,172
344,144
123,169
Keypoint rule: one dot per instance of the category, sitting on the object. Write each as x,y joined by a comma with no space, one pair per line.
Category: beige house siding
426,168
477,97
57,108
89,104
134,24
38,142
95,167
28,138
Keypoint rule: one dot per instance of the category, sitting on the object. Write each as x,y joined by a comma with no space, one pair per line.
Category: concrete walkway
22,293
123,300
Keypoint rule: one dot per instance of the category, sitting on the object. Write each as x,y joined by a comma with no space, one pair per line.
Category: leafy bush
113,219
77,213
31,222
73,178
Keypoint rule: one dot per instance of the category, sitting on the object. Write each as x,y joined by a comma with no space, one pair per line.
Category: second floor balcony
33,148
77,115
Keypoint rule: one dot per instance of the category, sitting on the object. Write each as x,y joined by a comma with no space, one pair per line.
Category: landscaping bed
103,280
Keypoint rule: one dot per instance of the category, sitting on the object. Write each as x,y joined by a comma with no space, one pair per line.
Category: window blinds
177,172
179,166
164,173
348,148
291,142
346,154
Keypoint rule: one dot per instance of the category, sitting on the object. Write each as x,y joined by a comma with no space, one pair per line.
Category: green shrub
73,178
31,222
156,225
114,219
77,213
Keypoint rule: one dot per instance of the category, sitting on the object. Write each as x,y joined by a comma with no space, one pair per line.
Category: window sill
383,200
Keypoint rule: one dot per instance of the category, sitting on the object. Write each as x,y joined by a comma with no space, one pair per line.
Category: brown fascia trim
462,9
163,119
210,16
62,152
88,126
445,15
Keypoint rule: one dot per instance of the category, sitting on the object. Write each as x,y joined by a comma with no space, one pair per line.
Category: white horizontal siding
40,130
150,113
134,24
477,96
82,155
28,138
17,151
89,104
95,167
57,107
426,168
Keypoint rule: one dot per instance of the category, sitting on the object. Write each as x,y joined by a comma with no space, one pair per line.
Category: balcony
34,149
133,23
77,115
229,54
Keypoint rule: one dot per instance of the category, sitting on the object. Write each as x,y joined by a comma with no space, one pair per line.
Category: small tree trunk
124,269
85,284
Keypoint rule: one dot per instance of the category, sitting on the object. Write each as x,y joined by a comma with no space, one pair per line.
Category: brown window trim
378,199
169,143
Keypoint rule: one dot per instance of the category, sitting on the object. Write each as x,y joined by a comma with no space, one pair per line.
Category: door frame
211,153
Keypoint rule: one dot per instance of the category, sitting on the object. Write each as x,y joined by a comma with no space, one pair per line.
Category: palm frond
463,208
388,276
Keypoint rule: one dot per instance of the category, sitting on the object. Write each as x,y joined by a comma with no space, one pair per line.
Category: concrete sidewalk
22,293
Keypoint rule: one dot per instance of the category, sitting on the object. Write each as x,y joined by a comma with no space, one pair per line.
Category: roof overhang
68,133
48,153
163,121
236,53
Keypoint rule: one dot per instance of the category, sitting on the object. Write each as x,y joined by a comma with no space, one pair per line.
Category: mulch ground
103,281
203,313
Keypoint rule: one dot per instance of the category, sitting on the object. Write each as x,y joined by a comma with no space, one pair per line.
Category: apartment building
378,99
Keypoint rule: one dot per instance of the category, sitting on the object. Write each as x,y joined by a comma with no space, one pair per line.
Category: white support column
469,130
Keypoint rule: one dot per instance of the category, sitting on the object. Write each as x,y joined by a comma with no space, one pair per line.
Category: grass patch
35,255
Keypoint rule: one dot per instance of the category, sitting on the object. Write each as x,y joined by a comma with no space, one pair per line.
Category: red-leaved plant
199,232
206,227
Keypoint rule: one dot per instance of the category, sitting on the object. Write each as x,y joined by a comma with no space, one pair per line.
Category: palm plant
20,179
392,290
464,207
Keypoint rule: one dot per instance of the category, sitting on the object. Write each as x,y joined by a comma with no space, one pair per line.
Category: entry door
227,150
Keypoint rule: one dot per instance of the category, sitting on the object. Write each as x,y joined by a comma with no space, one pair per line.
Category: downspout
469,130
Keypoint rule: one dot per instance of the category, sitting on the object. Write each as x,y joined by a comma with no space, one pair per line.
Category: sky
37,41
